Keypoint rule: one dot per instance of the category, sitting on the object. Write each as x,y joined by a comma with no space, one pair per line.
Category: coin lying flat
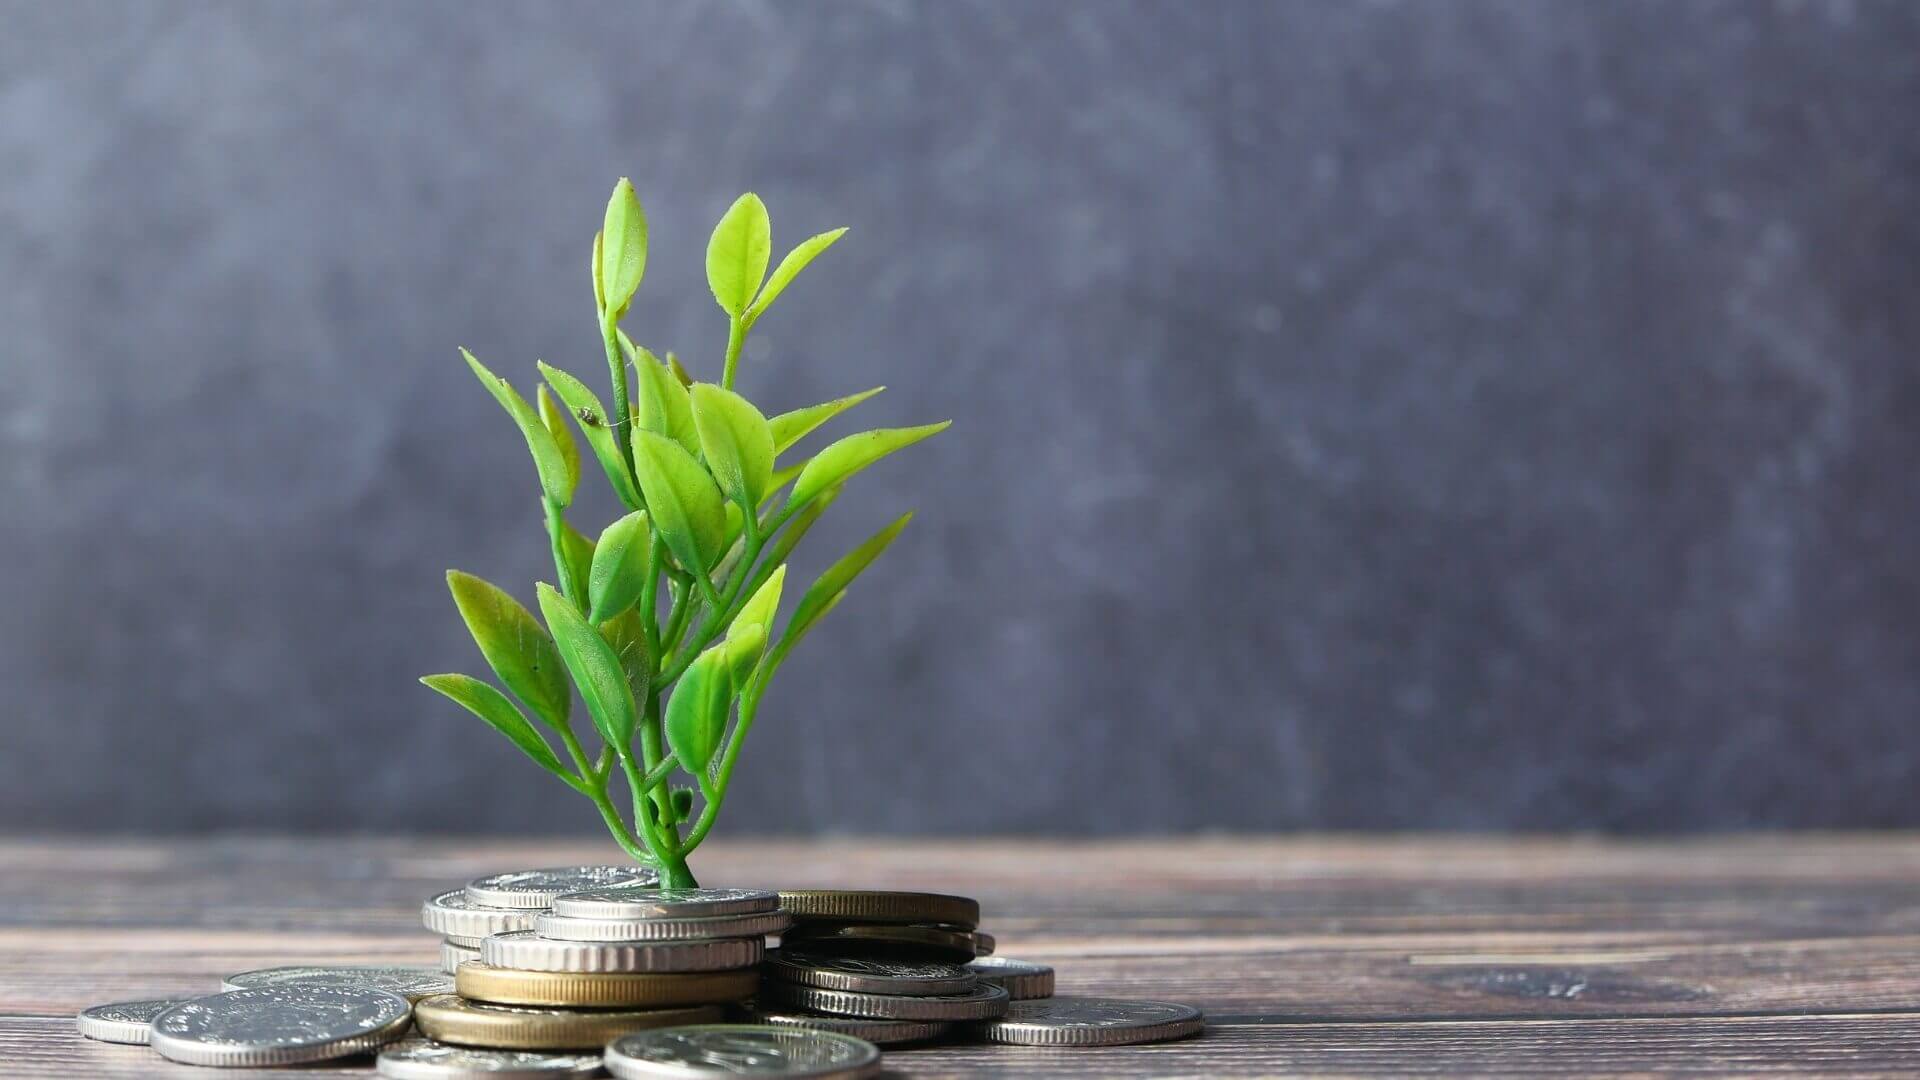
877,1032
873,906
692,1053
420,1059
467,942
454,914
451,1019
582,990
538,888
932,941
1021,980
123,1021
632,903
1077,1021
525,951
279,1025
868,975
452,956
412,983
979,1003
562,928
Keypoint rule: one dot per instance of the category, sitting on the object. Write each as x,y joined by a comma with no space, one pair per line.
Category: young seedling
664,625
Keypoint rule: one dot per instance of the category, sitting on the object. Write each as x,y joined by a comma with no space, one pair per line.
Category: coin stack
502,902
887,967
600,960
586,967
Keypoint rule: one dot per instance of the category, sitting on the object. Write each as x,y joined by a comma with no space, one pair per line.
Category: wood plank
1862,1045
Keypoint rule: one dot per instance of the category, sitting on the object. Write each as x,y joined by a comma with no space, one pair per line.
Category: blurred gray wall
1367,415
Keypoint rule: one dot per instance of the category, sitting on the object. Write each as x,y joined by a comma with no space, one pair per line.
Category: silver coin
561,928
868,975
526,951
452,956
1077,1021
877,1032
538,888
466,942
412,983
1021,980
123,1021
280,1025
454,914
424,1059
633,903
979,1003
701,1051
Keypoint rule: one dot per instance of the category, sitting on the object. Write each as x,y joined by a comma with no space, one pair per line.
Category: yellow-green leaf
735,439
490,705
697,712
627,636
596,670
622,250
546,453
790,427
688,511
664,407
556,426
577,547
764,604
598,429
835,579
620,567
841,460
516,646
737,254
790,267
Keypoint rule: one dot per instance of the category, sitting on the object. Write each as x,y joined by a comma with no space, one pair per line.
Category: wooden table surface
1438,956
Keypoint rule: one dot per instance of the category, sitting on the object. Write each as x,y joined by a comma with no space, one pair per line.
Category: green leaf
688,511
597,428
737,254
829,585
516,646
556,426
764,604
483,701
791,427
682,798
621,250
664,407
796,530
735,440
626,634
578,550
697,712
743,647
673,365
790,267
836,463
619,567
546,452
596,670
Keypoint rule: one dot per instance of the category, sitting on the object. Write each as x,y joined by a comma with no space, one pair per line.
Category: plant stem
622,409
594,786
736,337
556,536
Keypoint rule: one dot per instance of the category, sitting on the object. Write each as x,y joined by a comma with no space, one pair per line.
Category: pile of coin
564,972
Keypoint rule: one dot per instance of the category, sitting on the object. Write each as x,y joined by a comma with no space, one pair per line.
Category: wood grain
1322,956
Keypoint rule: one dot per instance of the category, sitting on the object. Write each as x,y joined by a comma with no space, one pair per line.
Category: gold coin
600,990
451,1019
956,945
887,907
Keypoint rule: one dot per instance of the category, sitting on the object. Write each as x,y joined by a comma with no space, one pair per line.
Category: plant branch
622,409
736,337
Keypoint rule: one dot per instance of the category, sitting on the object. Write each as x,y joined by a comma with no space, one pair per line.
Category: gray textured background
1367,414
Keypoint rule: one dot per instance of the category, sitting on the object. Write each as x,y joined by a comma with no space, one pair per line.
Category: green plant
664,625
